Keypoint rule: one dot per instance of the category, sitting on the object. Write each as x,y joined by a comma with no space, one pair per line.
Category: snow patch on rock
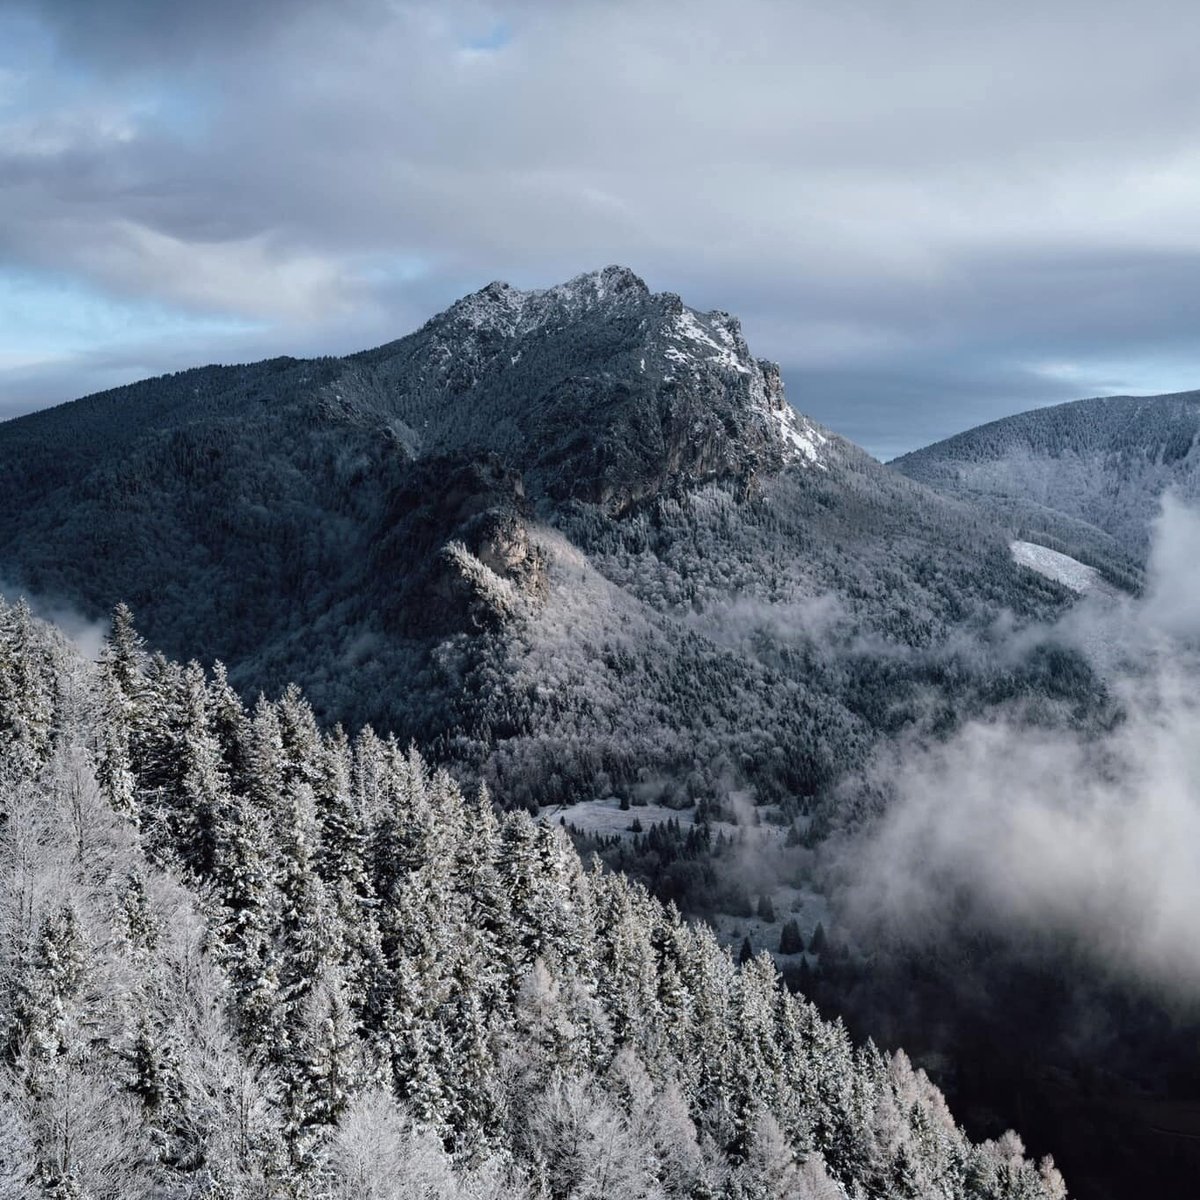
800,435
726,350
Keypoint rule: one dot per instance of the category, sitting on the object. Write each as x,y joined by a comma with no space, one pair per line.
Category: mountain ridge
525,471
1088,474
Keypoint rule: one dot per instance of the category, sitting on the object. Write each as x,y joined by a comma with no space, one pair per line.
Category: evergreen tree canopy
286,964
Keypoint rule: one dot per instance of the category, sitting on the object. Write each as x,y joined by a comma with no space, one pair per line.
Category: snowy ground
1062,568
605,816
758,835
805,907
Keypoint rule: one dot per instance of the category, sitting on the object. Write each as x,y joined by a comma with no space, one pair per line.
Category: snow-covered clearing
606,817
1062,568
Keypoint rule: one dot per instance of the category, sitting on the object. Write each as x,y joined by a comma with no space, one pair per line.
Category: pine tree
199,808
306,933
790,939
341,845
140,926
230,726
299,738
329,1069
242,874
114,767
484,886
628,975
472,1074
146,1067
265,764
26,699
56,977
159,721
124,654
757,1074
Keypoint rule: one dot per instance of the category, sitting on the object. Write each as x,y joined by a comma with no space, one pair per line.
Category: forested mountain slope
1088,474
241,956
570,541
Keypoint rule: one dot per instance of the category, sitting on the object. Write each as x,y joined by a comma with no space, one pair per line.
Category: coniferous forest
245,956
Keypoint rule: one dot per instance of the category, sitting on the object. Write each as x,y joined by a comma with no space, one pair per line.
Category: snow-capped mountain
574,540
599,389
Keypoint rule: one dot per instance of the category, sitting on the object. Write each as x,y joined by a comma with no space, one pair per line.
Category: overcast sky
931,213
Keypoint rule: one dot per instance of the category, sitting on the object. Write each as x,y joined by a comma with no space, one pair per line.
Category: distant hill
1084,478
572,540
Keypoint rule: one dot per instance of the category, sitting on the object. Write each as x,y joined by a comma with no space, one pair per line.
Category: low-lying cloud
1092,837
87,635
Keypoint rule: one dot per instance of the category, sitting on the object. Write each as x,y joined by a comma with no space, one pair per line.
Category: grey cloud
87,635
914,205
127,34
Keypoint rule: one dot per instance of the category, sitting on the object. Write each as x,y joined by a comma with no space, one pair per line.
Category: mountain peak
610,282
509,311
599,389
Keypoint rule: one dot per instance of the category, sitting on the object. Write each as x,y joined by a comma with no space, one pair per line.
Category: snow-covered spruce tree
26,690
277,963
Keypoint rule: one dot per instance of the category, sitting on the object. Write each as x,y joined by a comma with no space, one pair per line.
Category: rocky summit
598,389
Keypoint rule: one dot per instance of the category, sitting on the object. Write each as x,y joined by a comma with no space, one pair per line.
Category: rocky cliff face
596,390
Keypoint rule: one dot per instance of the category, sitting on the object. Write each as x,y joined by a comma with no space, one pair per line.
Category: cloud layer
930,213
1033,831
